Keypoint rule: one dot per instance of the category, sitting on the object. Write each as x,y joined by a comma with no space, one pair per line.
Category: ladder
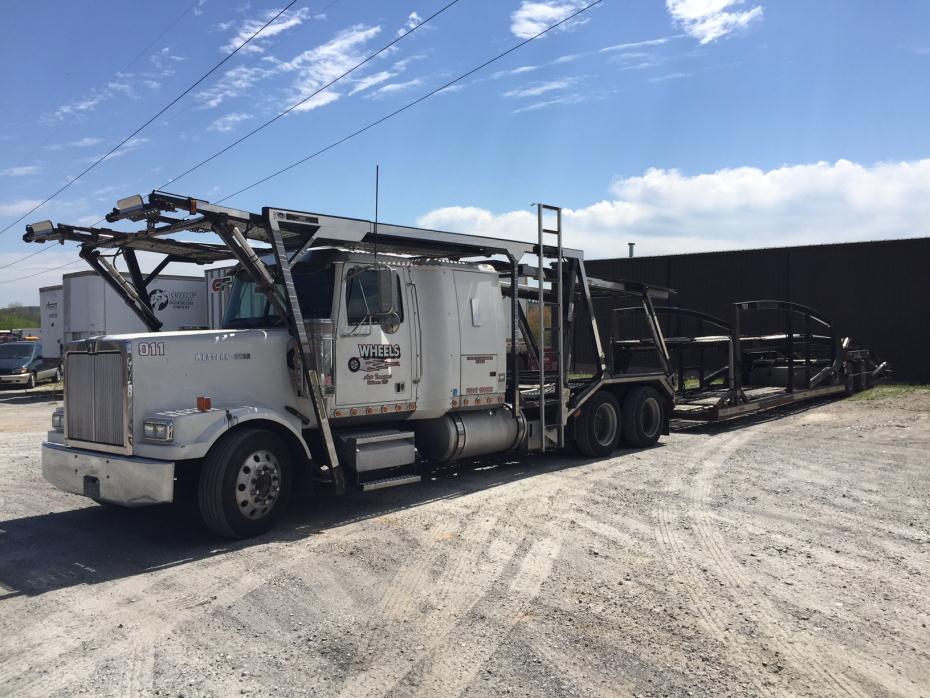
546,250
299,332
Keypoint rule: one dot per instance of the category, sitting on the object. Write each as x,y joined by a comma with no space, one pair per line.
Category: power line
44,271
393,113
162,111
413,103
22,259
309,97
67,122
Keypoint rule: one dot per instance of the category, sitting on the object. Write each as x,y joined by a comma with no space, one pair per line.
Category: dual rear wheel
602,422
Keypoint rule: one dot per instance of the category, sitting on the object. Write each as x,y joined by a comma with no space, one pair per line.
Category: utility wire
44,271
67,122
162,111
21,259
390,115
413,103
310,96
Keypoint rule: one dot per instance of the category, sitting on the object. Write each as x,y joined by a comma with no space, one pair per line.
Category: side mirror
385,292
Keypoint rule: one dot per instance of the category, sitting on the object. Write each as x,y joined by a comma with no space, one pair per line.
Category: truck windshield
248,306
15,351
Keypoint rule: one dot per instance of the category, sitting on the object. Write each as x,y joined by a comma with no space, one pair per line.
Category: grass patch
891,390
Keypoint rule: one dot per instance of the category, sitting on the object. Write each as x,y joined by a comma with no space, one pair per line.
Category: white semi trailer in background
51,319
360,352
93,308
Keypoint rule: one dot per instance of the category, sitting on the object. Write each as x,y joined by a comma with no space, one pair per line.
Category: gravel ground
784,555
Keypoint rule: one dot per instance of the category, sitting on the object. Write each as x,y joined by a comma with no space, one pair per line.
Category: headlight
58,420
21,370
158,430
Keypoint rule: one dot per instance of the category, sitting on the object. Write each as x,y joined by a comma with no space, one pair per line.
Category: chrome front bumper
126,480
15,379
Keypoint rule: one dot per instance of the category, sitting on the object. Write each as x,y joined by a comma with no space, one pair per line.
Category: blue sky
682,125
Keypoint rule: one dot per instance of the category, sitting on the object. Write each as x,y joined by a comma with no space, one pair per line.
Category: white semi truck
362,353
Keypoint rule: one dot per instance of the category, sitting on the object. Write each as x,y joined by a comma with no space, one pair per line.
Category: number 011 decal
151,348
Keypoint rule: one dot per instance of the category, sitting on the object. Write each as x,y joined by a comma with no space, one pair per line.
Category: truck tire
245,483
597,428
643,416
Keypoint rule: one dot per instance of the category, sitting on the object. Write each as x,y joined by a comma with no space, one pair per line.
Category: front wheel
643,416
245,483
597,428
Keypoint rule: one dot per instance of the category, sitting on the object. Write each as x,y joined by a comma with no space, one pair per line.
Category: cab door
374,354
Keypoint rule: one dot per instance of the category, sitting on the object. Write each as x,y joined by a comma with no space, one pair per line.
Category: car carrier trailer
731,369
363,352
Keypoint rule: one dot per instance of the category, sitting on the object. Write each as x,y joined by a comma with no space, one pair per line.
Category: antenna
377,178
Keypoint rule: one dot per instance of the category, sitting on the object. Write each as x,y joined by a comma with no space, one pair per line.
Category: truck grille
94,403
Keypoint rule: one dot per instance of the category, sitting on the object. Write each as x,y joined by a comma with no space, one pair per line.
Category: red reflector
204,404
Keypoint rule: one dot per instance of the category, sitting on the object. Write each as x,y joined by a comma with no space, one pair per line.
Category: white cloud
228,123
532,17
18,208
671,76
364,83
709,20
288,20
538,88
640,44
396,87
21,171
514,71
413,21
318,66
666,212
235,82
568,99
85,142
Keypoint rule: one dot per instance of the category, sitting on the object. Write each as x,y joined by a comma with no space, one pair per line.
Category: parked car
21,363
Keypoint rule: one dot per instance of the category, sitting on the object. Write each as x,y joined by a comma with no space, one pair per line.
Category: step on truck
360,353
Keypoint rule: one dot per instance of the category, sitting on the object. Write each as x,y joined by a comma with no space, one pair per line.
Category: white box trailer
218,283
50,312
92,308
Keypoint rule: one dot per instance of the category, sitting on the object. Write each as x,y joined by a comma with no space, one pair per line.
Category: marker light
204,404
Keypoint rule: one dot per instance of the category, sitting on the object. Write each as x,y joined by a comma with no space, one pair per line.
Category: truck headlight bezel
58,420
158,430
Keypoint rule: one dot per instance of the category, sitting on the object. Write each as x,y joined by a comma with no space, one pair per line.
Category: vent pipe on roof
632,245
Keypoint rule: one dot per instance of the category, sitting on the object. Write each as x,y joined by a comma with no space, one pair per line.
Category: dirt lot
789,555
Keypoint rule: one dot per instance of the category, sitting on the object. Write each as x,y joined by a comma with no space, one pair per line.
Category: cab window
363,296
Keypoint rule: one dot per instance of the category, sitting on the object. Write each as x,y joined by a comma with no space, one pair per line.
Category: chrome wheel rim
605,424
651,417
258,484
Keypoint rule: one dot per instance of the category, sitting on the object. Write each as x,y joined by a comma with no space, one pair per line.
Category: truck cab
362,354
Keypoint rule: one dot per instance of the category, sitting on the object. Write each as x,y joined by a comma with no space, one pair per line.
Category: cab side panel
439,335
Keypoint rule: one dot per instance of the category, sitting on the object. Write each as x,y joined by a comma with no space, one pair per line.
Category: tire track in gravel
463,585
143,610
717,613
736,580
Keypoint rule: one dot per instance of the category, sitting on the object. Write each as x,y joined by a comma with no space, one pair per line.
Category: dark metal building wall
876,293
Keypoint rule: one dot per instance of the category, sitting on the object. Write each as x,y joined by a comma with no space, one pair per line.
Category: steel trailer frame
289,234
840,369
